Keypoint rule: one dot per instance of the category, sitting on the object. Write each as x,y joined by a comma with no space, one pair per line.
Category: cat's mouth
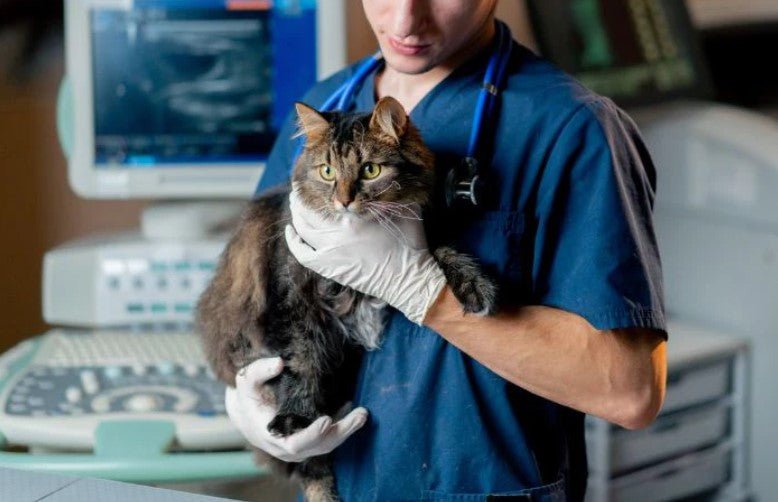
353,212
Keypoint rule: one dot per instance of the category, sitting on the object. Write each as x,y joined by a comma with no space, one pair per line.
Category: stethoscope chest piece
464,186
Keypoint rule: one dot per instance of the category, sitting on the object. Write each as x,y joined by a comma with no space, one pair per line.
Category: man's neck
410,89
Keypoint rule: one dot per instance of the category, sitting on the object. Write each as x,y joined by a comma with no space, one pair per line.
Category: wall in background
37,208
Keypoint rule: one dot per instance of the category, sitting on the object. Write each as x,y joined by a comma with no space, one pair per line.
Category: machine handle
173,467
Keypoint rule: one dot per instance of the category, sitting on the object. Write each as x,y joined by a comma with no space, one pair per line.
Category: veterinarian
468,407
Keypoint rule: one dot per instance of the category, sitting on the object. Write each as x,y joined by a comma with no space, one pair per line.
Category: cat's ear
389,118
310,123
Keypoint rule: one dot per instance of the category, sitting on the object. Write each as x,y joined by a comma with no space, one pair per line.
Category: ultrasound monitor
636,51
184,98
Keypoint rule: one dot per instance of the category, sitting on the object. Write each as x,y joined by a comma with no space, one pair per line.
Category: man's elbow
641,408
642,401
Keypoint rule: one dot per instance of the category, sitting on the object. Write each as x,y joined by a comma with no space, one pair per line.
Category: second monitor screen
632,50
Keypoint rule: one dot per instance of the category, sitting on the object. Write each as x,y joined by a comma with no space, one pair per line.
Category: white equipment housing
717,224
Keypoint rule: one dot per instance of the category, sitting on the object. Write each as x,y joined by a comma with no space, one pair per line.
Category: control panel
162,387
72,380
126,282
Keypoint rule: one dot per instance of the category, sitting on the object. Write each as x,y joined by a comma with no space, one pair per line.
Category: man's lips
406,49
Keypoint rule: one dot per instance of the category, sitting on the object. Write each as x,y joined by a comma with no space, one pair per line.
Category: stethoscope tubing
347,91
492,83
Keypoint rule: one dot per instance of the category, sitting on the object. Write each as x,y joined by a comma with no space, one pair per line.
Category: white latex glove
250,412
388,261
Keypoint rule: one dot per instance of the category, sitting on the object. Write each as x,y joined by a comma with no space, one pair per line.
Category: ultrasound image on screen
181,85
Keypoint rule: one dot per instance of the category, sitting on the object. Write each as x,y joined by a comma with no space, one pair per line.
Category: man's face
417,35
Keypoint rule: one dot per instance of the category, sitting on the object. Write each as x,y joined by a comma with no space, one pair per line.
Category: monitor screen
635,51
184,98
195,82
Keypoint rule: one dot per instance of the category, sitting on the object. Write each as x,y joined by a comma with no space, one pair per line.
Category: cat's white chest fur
367,323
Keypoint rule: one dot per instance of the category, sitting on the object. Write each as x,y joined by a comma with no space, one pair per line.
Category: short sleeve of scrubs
595,247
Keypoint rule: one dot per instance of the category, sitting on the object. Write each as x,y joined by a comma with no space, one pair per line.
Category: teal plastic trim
65,116
169,468
134,438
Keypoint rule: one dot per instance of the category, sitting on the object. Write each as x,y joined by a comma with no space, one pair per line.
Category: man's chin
409,65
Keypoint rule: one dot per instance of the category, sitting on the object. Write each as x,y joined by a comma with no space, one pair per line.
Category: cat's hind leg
475,290
317,479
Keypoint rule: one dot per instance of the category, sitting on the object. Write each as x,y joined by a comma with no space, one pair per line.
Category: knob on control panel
142,403
73,394
89,381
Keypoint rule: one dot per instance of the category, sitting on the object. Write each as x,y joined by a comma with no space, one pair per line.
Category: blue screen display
197,82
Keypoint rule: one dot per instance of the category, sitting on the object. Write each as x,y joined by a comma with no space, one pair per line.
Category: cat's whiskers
324,208
394,183
397,209
388,224
399,233
389,211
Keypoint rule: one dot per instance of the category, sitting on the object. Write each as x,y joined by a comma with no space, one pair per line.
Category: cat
261,302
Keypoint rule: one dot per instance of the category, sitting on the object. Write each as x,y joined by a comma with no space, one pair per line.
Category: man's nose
409,17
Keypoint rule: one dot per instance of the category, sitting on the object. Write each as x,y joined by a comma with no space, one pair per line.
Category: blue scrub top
567,225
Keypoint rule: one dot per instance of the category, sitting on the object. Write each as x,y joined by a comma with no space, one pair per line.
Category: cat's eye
327,172
370,171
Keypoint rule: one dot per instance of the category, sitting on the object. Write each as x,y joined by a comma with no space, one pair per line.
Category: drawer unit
670,435
698,443
696,385
681,477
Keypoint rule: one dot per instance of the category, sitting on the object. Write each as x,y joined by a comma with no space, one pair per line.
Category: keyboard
73,380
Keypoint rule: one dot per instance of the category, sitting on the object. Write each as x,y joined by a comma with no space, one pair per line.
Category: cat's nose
343,202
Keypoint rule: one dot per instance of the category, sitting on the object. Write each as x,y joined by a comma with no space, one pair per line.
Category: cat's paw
475,291
476,295
285,424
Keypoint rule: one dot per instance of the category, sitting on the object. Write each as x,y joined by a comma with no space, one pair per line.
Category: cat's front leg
298,396
475,290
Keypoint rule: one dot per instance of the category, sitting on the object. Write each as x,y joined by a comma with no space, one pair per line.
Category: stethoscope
463,183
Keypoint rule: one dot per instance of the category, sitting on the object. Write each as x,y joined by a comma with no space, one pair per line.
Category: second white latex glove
388,261
250,412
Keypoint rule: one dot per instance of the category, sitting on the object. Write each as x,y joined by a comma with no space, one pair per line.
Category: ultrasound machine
178,101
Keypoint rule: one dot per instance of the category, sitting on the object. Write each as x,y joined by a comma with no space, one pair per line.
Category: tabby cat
262,302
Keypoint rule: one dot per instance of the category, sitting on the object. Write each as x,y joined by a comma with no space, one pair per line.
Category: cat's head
370,165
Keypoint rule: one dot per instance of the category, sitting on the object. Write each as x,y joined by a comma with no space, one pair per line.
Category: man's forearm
618,375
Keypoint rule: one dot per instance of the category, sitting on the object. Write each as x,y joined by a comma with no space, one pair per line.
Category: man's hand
250,410
386,259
